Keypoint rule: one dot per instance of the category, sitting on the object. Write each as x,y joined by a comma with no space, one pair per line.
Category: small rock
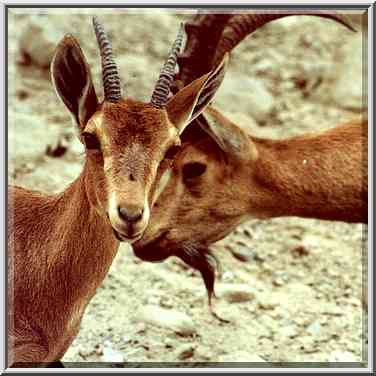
288,331
84,352
314,328
235,293
168,342
170,319
241,251
185,351
300,250
57,150
269,323
228,276
342,356
280,278
242,357
141,327
266,301
111,355
247,232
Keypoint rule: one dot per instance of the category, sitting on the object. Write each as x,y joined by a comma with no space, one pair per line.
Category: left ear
190,101
232,140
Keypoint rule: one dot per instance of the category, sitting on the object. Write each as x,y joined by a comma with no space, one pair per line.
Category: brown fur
321,176
60,250
61,247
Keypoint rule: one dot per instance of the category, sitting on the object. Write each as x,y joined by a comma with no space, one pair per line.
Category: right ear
72,80
191,101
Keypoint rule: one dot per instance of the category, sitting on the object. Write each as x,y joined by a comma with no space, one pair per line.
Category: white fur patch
165,178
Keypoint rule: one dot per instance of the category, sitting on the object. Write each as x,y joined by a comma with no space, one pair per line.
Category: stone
267,301
38,42
314,328
241,251
185,351
234,293
167,318
111,355
288,331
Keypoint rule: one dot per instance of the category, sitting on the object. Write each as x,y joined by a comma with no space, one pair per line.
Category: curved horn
110,75
243,25
203,34
167,75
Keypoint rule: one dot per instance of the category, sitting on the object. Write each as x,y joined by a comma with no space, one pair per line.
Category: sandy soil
302,281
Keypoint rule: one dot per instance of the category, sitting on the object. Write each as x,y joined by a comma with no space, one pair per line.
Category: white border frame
193,3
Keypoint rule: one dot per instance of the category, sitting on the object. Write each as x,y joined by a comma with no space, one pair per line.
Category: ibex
61,246
223,176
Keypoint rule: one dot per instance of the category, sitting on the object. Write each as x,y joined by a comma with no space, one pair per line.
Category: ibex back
61,246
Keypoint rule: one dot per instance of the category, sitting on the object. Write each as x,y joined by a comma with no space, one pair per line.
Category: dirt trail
298,297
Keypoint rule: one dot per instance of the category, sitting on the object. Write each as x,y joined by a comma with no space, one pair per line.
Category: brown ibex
223,176
61,246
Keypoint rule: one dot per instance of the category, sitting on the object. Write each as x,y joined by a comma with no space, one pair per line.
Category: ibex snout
130,213
128,219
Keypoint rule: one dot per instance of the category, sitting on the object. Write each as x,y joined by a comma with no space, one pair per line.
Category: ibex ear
233,141
190,101
72,80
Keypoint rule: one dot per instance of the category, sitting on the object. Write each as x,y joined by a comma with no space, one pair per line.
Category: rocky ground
291,288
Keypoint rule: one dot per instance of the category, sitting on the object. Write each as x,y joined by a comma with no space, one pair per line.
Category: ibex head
129,144
207,195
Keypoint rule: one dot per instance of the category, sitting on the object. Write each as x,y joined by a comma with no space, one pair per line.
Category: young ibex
61,246
223,177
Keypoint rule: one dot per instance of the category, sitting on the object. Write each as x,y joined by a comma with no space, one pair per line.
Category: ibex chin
61,246
224,176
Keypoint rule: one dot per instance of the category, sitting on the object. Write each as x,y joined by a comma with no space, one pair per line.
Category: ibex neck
313,176
83,243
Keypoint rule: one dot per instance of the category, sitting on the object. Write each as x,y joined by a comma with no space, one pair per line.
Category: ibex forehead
137,121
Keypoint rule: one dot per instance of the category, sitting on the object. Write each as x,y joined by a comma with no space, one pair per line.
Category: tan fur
60,250
321,176
61,247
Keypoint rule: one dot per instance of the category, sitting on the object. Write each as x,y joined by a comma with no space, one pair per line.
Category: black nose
130,214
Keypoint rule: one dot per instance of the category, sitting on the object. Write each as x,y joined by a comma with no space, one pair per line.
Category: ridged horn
110,75
167,75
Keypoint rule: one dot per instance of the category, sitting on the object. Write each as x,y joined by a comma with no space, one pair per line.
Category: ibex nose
130,214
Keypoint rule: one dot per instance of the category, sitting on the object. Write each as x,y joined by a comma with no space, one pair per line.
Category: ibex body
61,246
223,176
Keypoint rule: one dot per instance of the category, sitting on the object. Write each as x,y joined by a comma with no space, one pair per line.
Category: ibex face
126,160
129,144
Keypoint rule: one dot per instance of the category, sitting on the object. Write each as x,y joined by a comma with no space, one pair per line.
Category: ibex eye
171,152
91,141
193,170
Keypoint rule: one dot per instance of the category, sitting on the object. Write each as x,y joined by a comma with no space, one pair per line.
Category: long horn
203,34
110,75
167,75
243,25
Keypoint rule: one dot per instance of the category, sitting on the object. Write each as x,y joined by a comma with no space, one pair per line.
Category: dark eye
193,170
171,152
91,141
